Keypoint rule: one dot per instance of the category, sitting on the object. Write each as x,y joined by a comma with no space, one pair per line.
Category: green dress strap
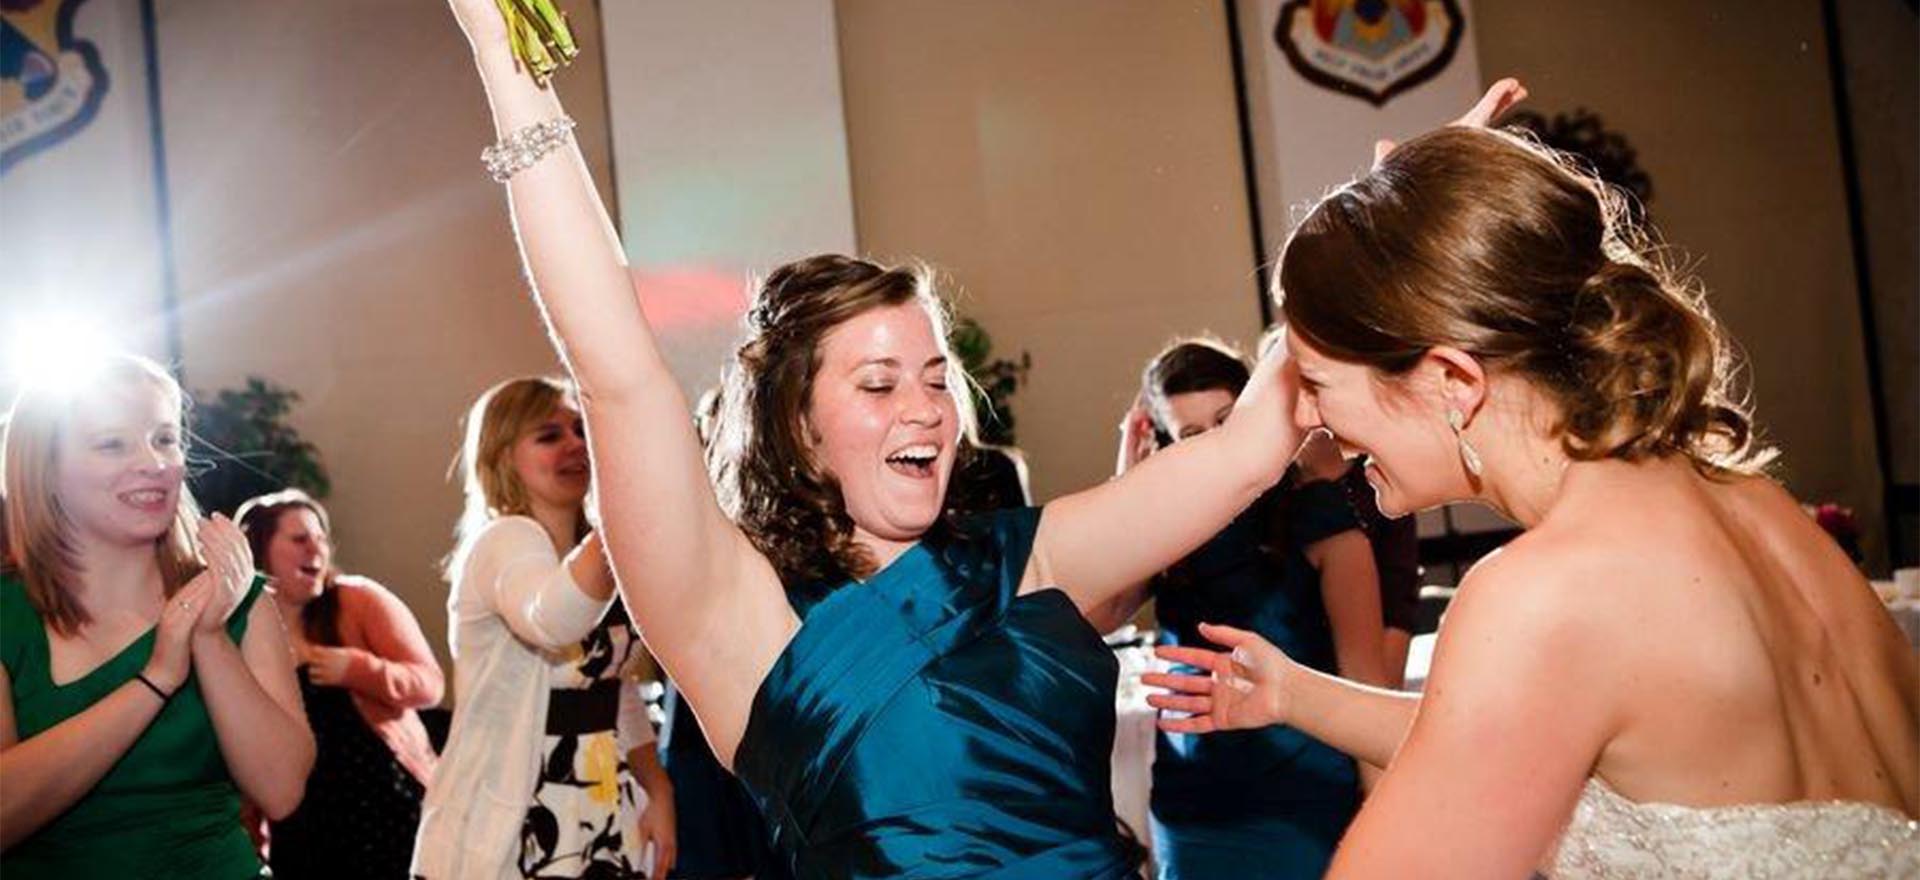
167,808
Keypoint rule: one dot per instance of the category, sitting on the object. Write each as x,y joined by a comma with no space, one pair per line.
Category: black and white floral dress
586,805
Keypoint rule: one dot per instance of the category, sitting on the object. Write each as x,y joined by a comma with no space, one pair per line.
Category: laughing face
122,465
550,458
883,421
298,556
1399,424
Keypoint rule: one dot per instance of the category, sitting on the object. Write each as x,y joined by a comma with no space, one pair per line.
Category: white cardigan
514,607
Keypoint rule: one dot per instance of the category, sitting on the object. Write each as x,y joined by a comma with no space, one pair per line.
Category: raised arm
252,697
1101,543
516,575
1136,443
712,606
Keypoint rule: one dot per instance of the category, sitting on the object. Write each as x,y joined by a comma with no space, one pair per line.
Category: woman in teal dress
906,695
144,690
1295,568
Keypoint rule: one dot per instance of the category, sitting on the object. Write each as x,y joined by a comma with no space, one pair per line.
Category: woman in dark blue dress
1294,567
905,694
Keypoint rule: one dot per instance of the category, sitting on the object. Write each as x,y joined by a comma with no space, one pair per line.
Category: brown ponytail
1648,372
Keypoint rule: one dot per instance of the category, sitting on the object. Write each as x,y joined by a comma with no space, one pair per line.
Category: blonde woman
538,778
144,687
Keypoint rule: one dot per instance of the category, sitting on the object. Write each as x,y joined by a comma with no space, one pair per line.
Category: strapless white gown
1613,837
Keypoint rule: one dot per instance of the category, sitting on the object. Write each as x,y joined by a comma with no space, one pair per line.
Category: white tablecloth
1133,737
1906,612
1419,660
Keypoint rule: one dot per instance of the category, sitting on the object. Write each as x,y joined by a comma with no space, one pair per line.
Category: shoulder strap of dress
237,622
18,620
1014,530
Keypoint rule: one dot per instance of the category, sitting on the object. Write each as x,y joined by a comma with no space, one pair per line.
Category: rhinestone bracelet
524,146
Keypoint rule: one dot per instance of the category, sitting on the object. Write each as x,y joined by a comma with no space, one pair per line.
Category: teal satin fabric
929,723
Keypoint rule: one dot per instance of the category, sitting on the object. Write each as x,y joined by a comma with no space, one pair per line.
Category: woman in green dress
144,688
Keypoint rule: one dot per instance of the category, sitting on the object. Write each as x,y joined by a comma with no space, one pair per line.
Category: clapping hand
172,652
228,574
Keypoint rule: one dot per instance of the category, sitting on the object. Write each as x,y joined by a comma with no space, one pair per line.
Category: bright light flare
56,352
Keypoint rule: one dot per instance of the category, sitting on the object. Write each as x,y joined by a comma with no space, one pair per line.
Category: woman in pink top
364,669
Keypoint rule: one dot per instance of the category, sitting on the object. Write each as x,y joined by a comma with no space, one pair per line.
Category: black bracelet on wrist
163,695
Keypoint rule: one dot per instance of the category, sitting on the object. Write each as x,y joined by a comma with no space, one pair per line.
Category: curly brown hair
1493,244
760,453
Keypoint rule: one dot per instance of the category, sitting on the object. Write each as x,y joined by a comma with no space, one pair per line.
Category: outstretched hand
1500,97
1240,688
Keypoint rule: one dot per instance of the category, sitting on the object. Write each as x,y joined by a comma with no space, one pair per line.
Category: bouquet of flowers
542,42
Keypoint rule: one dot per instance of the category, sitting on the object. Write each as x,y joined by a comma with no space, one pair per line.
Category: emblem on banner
50,83
1372,49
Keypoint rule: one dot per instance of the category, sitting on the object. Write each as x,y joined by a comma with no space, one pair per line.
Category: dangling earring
1468,456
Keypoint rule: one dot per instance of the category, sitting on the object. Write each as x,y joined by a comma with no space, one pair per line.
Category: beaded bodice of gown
1613,837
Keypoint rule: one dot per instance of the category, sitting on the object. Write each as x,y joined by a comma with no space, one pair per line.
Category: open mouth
310,570
915,461
145,499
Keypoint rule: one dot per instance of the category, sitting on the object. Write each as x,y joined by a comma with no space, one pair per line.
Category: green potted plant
242,447
994,379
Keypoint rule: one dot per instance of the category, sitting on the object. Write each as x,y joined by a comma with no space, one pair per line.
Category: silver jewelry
1468,456
186,604
521,148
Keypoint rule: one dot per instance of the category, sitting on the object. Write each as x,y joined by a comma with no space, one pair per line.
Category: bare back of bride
1765,696
1740,600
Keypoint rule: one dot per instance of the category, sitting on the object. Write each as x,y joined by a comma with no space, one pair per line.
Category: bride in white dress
1673,672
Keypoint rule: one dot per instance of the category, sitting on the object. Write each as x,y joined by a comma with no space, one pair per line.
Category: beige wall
335,233
1075,169
1732,115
